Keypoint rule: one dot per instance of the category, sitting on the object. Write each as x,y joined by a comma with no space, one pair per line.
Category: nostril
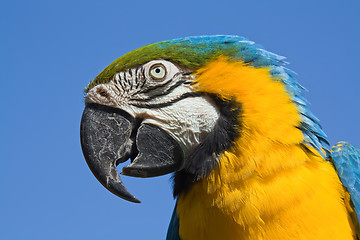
102,92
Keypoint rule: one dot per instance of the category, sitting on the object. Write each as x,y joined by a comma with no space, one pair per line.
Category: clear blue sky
50,50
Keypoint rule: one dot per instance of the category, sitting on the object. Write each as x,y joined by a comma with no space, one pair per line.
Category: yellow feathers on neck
266,107
266,186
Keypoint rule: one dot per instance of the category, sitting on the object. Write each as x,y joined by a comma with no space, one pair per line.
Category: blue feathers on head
242,49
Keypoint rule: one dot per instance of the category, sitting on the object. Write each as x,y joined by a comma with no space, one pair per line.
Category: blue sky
50,50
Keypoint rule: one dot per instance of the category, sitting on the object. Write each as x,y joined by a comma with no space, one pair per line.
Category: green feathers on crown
191,52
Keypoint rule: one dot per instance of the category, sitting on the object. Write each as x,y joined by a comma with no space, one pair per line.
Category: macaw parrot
229,119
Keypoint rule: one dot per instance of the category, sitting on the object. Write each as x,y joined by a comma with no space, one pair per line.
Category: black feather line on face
204,158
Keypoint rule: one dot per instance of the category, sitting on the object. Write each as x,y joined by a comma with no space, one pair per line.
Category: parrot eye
157,71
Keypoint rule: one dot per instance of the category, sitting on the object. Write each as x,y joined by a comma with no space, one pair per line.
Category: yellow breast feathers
269,185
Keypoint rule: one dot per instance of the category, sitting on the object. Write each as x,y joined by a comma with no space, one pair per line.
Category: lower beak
110,136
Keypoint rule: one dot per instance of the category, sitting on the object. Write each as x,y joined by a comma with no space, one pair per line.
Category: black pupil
157,70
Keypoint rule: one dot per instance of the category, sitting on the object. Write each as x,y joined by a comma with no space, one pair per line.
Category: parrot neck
274,192
270,184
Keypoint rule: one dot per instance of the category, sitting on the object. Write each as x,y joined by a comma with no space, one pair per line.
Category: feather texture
195,52
346,159
272,182
173,232
274,174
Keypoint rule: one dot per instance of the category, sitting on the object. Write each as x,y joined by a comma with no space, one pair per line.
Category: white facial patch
188,121
160,93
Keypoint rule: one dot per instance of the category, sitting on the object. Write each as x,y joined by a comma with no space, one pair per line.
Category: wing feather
346,159
173,231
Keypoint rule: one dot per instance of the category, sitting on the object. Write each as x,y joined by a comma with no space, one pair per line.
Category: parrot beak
110,136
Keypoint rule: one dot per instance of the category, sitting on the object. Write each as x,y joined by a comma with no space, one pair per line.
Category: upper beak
110,136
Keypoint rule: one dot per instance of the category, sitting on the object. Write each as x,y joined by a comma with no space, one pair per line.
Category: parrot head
177,105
